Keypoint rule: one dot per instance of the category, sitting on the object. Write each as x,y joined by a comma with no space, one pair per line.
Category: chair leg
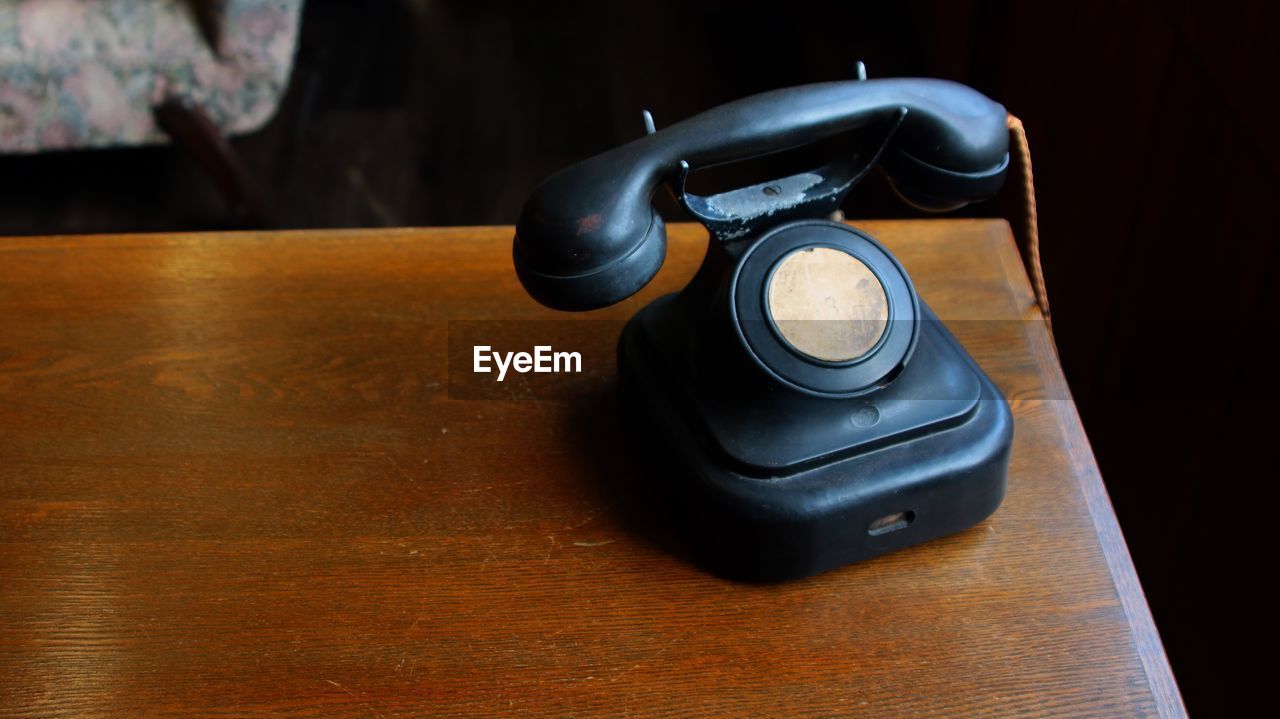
209,16
192,130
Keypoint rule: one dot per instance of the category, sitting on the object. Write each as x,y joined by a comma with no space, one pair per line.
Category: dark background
1156,169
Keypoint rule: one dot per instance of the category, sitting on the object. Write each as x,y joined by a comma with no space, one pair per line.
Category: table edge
1115,551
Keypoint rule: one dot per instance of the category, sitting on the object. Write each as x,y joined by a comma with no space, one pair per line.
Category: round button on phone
827,304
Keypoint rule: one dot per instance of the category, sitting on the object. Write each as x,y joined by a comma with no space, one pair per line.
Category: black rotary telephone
804,408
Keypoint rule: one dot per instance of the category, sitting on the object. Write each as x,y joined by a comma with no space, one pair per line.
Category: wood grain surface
232,482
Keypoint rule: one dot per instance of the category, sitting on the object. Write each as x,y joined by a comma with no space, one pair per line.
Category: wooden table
232,482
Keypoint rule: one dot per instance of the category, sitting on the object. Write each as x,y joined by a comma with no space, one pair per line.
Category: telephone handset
804,409
590,236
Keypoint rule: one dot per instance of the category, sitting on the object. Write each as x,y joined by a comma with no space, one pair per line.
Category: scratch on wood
593,544
661,650
414,625
340,687
400,470
590,516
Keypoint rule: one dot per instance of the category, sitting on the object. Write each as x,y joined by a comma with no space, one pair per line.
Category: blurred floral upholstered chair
99,73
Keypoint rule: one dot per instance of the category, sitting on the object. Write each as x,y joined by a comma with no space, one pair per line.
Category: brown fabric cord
1020,157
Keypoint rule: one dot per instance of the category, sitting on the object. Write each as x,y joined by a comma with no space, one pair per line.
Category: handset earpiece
933,187
589,236
956,156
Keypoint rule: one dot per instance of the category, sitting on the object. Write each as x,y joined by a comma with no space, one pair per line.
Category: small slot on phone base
891,523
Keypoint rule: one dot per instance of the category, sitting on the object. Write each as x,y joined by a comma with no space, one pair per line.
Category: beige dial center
827,304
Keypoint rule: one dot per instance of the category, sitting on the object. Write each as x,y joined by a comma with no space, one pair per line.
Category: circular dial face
827,304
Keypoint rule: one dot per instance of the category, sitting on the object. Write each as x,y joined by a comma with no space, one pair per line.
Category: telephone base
773,523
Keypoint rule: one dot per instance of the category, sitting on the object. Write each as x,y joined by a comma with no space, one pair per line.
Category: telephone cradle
800,407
